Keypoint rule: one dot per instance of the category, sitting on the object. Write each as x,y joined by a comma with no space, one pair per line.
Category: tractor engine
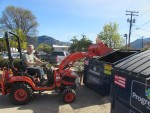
68,77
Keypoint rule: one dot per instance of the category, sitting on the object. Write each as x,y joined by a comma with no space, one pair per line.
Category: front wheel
21,94
68,95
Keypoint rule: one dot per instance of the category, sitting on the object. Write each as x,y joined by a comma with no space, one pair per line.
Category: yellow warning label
107,67
108,72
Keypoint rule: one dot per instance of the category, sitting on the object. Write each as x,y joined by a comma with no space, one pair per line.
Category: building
60,48
147,45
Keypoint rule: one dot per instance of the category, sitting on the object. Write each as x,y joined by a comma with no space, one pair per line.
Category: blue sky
63,19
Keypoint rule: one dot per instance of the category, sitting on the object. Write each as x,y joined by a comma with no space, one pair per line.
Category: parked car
43,57
14,55
57,56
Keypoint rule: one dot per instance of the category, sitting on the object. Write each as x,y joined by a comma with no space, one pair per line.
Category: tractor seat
22,70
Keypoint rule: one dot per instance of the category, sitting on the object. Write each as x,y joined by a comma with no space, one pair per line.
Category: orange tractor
21,85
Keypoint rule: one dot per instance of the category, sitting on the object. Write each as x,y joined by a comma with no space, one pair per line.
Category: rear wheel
68,95
21,94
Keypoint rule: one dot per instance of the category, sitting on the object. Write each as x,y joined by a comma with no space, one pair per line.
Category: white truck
57,56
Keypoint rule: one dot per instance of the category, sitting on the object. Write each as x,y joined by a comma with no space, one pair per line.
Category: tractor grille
69,79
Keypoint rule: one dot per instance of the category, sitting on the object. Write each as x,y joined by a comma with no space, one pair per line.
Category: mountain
50,41
45,39
137,44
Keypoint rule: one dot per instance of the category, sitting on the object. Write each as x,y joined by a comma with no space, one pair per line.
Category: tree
84,42
79,45
14,18
110,36
74,44
2,45
22,37
44,47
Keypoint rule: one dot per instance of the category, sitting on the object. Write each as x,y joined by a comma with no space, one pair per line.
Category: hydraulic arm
99,49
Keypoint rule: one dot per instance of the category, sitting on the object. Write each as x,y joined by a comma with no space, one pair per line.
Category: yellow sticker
108,72
107,66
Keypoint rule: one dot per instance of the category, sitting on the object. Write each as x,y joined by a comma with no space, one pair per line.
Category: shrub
16,63
79,66
3,62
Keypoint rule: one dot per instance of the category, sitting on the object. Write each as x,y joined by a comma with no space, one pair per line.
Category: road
87,101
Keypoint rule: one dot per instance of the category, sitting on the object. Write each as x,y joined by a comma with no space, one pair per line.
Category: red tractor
21,85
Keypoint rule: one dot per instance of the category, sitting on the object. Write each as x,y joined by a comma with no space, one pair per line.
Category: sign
107,69
120,81
86,62
107,72
108,66
139,98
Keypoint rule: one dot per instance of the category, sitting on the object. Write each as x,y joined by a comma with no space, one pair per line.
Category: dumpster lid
137,64
116,56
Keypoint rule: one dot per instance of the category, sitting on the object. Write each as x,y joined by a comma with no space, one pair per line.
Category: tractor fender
14,79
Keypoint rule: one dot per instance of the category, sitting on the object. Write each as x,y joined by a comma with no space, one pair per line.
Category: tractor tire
68,95
21,94
66,87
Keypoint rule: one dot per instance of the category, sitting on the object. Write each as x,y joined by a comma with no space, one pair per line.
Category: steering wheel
44,64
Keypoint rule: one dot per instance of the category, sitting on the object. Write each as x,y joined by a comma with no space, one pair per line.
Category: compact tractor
21,84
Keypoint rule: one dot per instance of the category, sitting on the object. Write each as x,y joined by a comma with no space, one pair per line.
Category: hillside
137,44
50,41
45,39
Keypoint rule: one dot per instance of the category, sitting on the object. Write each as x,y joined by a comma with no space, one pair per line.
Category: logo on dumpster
140,96
142,100
147,93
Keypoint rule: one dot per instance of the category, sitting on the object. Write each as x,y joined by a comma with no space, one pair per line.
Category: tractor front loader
21,85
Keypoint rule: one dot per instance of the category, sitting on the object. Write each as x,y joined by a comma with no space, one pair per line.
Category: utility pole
142,43
125,35
131,20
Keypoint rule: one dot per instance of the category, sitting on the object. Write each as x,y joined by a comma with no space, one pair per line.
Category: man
30,62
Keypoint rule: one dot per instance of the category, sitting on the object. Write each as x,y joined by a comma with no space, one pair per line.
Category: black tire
68,95
21,94
63,87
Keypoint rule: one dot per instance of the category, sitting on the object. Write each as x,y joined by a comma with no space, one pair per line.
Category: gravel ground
87,101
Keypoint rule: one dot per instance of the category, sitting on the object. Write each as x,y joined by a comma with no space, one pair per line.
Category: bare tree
18,18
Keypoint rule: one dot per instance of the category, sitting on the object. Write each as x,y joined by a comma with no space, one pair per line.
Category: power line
141,5
140,36
138,28
144,23
136,34
143,29
144,13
